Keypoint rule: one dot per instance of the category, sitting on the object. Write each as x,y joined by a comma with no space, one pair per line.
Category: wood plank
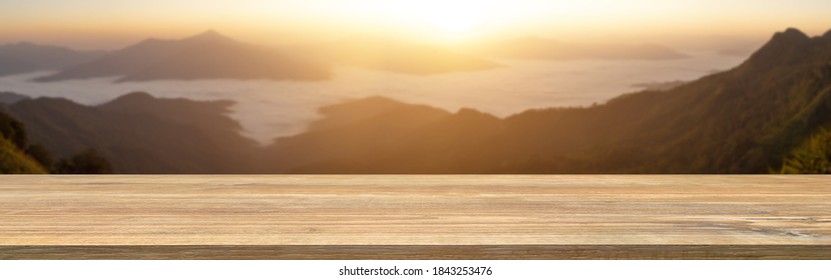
392,216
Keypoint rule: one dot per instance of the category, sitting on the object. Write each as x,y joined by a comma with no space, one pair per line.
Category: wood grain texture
391,216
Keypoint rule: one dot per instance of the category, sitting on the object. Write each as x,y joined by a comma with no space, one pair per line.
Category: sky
91,24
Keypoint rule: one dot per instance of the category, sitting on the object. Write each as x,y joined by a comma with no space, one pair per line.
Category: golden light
455,18
450,16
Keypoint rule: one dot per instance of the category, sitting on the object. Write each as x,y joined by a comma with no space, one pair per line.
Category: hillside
15,161
811,157
139,133
208,55
744,120
13,142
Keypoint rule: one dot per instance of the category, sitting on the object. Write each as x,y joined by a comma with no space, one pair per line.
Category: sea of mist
269,109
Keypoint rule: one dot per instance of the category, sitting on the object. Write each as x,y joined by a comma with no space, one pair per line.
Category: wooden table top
386,216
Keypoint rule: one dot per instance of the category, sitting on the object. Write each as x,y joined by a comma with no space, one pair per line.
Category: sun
454,18
449,16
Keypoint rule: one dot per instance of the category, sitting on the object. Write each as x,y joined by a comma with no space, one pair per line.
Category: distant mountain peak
210,38
148,42
791,34
786,47
827,35
134,96
209,35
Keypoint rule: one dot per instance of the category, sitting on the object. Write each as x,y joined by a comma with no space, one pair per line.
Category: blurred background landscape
415,87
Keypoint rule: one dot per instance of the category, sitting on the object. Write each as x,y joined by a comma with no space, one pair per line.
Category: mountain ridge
208,55
140,133
25,57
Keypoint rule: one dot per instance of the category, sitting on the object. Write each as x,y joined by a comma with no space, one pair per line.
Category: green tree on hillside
813,157
13,143
18,156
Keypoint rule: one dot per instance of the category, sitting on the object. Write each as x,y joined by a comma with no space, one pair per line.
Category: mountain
745,120
138,133
208,55
539,48
357,126
24,57
399,56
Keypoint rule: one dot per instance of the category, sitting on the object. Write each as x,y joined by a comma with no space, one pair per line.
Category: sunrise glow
79,24
445,16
